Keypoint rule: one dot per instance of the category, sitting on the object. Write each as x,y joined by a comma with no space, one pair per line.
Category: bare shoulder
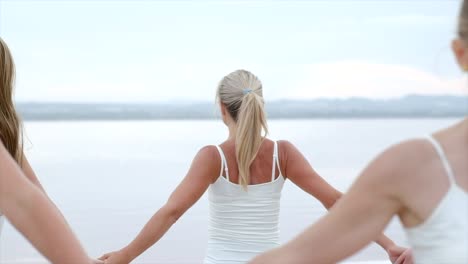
209,153
288,153
285,143
404,155
285,147
399,166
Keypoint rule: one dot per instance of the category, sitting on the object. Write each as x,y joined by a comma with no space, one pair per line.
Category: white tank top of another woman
443,237
243,223
1,224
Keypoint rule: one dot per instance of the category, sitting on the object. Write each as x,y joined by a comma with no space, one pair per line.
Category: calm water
108,178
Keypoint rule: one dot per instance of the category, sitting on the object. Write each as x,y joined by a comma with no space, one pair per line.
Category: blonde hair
10,123
241,92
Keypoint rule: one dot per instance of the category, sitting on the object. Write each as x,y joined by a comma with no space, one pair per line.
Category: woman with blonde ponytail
247,106
244,177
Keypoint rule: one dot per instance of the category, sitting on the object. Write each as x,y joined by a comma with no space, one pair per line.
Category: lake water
108,178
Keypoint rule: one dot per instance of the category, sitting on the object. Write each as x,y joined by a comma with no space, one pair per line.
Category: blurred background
118,96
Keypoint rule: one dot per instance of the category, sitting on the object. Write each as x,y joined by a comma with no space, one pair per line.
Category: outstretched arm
299,171
31,175
35,217
29,172
204,169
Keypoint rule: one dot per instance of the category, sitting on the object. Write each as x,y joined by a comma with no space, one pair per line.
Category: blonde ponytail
241,92
250,123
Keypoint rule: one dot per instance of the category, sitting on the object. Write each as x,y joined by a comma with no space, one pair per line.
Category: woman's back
243,178
437,227
244,223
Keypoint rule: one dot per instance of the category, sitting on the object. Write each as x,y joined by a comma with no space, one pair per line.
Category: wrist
128,254
385,242
389,245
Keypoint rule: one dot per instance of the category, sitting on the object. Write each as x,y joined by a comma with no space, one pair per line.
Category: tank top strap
443,158
223,163
275,161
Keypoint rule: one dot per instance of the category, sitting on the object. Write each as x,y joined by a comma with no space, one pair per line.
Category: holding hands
400,255
396,254
116,257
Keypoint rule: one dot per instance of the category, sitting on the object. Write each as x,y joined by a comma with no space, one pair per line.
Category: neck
459,131
232,132
464,127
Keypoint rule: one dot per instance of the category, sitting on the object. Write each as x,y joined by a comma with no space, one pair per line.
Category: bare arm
301,173
353,222
205,168
296,168
35,217
31,175
29,172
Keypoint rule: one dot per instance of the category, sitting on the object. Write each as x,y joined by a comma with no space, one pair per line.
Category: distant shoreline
411,106
215,118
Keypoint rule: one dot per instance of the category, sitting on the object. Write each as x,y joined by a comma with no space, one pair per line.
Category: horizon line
182,100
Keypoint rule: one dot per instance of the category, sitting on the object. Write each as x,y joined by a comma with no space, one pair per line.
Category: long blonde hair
10,123
241,92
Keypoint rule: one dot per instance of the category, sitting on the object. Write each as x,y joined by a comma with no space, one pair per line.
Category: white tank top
1,223
443,237
243,223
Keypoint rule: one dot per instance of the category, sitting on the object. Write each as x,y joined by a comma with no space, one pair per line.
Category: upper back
261,168
436,217
245,222
432,166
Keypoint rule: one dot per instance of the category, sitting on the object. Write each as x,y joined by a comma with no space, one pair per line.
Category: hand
96,261
400,255
116,257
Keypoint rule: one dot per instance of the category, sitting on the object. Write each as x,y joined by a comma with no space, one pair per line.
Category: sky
145,51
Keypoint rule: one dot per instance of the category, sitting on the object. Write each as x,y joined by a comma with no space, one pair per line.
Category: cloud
127,82
413,19
166,82
357,78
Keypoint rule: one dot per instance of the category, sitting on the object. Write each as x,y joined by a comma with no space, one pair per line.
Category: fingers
405,258
409,257
104,257
401,259
96,261
407,261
